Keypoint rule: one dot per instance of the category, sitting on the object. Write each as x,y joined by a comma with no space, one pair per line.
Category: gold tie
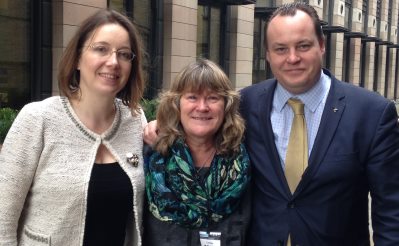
296,159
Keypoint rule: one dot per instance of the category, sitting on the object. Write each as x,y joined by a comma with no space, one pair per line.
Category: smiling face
101,74
201,115
294,51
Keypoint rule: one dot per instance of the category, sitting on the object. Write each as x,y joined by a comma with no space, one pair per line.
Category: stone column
355,43
354,68
241,45
67,16
369,69
381,69
180,37
392,71
336,51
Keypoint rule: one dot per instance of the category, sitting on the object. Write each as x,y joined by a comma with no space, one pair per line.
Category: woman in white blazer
71,167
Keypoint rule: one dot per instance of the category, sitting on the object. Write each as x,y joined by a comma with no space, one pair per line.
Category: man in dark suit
351,145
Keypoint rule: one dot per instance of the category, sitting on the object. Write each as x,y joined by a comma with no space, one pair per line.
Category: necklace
207,160
86,131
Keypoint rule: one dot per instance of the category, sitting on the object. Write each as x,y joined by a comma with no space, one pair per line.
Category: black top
110,199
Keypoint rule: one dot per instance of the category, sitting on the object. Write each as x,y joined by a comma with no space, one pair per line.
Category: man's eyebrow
277,44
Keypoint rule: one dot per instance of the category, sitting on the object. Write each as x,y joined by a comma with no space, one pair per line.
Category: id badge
210,238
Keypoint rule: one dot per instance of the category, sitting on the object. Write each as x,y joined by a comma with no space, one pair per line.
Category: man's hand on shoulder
150,133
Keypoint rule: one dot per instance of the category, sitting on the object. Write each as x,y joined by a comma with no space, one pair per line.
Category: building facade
362,41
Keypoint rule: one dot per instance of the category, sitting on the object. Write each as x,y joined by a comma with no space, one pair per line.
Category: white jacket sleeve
19,158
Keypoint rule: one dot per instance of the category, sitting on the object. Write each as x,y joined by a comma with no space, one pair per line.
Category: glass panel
15,53
327,55
326,10
345,62
347,16
208,32
364,29
214,52
142,17
203,31
116,5
260,70
364,15
140,13
389,19
265,3
378,17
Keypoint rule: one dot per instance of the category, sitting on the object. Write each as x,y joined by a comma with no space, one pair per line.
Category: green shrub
150,108
7,116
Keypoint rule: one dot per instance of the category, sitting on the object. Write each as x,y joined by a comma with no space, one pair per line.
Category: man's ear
322,44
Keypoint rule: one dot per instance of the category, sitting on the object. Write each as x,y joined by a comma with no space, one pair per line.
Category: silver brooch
132,159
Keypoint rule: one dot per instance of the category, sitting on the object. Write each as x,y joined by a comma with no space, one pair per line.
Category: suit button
291,205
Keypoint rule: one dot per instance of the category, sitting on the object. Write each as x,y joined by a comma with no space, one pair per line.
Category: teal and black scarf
176,194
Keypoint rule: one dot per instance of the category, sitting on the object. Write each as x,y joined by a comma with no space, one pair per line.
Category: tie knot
296,105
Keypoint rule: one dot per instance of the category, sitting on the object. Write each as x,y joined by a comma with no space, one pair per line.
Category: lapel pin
132,159
335,110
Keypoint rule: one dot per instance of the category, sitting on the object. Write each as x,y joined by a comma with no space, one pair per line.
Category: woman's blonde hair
197,77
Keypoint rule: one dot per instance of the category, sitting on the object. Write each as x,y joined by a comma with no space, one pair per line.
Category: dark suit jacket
356,150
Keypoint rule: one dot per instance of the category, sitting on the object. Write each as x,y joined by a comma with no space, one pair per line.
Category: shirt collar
311,98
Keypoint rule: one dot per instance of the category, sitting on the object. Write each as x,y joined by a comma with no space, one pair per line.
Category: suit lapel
332,113
266,98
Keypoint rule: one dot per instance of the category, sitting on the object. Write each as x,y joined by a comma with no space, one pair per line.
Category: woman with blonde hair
199,172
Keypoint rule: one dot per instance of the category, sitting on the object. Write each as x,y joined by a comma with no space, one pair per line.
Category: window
363,57
347,62
365,13
265,3
388,51
260,67
144,13
15,38
116,5
378,18
209,25
348,14
389,24
327,11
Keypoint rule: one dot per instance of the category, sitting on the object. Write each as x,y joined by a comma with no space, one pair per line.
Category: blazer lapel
333,110
266,98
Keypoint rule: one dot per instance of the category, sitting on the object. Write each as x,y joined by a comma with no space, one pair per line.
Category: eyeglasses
102,50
